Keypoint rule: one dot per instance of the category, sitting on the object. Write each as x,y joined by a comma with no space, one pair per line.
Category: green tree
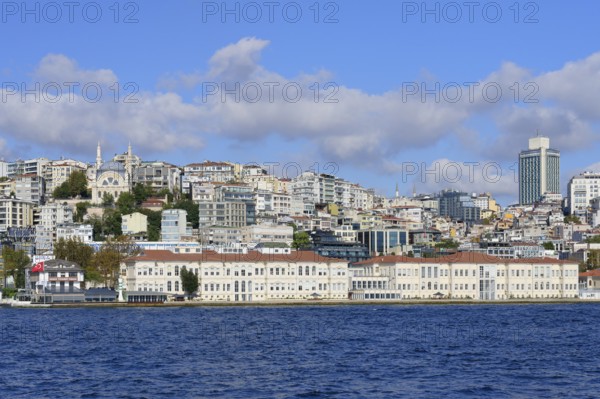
548,246
76,185
141,192
301,240
189,281
15,262
111,222
165,191
447,243
126,203
572,219
77,251
108,200
593,239
81,210
107,261
154,220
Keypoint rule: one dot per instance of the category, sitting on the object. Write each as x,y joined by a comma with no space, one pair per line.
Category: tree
76,185
77,251
141,192
15,262
447,243
548,246
126,203
107,260
108,200
301,240
593,239
154,220
189,281
572,219
81,210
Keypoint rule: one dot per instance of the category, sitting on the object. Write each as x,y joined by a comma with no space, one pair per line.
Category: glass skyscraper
539,171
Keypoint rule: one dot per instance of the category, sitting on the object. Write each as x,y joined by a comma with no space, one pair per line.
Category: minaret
98,156
397,192
129,162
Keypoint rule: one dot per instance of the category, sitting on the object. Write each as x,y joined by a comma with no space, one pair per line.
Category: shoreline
314,303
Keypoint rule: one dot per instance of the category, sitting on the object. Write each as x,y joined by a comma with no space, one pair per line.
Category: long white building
268,274
465,275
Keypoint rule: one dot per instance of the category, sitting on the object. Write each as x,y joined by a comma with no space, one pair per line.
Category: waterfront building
464,275
270,273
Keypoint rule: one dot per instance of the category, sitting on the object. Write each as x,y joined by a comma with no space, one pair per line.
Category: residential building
539,171
30,187
135,224
229,214
54,213
264,233
15,213
581,190
158,175
174,225
28,167
57,172
458,206
75,231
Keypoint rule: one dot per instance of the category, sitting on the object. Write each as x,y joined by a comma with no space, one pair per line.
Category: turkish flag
38,267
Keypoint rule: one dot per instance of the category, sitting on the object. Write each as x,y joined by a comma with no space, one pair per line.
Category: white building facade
272,274
466,275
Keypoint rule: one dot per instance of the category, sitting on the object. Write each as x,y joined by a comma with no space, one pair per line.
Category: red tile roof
590,273
461,257
251,256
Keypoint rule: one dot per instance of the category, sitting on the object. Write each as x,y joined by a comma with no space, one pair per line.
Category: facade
31,166
384,241
54,213
56,173
15,213
75,231
224,213
589,284
581,190
113,177
262,233
158,175
539,171
465,275
57,281
269,274
134,224
30,187
458,206
174,225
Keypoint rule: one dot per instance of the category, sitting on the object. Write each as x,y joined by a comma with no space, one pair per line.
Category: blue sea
374,351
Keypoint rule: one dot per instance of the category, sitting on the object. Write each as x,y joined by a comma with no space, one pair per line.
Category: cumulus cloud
241,100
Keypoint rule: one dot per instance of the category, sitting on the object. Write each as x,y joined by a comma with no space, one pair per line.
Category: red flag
38,267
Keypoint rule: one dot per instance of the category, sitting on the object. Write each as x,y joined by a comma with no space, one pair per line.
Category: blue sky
175,59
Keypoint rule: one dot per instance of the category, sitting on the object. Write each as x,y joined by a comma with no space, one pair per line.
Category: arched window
307,270
176,285
314,270
299,270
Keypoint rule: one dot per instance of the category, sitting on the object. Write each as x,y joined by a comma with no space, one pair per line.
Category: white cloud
344,124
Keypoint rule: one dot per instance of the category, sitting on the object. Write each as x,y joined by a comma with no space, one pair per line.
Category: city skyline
387,117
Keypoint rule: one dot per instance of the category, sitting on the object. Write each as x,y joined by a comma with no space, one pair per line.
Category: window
176,285
177,274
